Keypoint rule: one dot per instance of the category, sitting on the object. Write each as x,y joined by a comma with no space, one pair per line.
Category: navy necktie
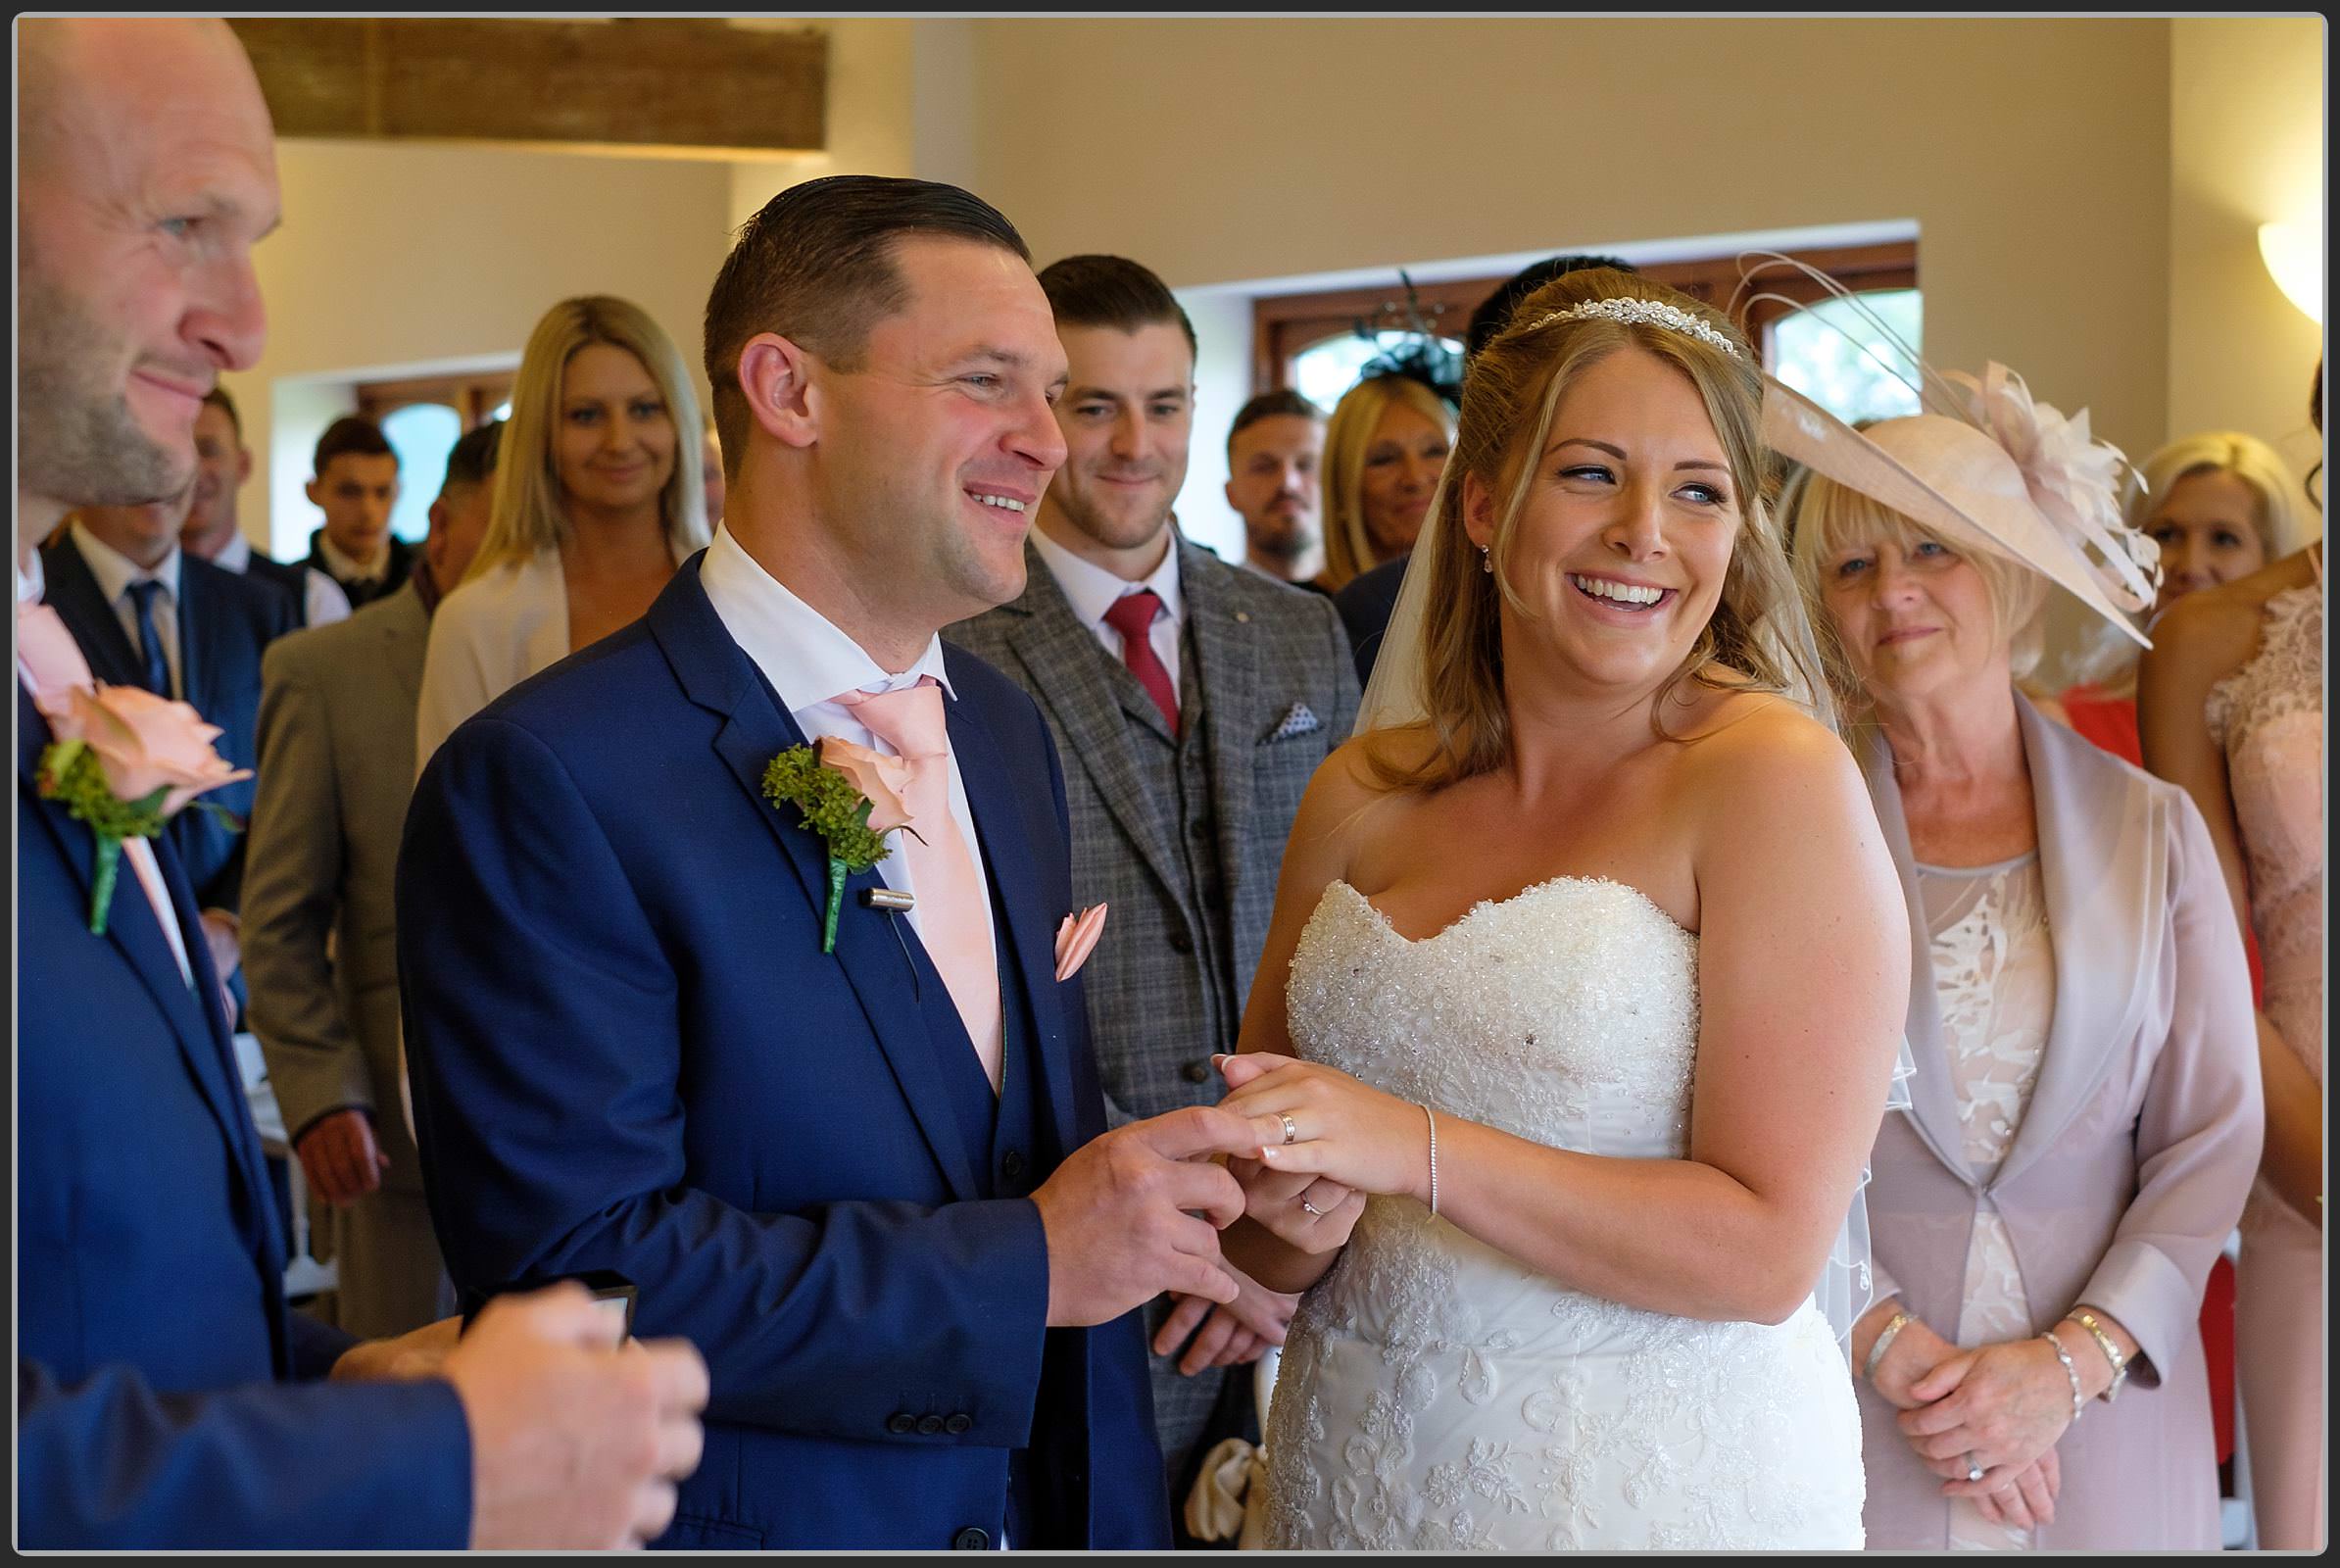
157,672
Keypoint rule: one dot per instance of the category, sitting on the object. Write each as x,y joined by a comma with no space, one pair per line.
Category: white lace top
1995,980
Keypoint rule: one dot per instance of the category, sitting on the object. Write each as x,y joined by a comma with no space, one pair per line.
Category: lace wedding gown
1435,1394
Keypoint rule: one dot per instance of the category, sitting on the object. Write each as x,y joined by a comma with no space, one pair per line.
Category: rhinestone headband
1642,313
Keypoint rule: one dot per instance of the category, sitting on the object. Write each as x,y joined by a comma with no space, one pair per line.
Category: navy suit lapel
192,1012
994,794
717,675
73,593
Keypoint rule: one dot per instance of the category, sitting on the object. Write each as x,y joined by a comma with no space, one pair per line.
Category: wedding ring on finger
1973,1470
1312,1209
1291,1129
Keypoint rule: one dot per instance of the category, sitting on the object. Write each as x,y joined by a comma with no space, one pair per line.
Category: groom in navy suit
872,1186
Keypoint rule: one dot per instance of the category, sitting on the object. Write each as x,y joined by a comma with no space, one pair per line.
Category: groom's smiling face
936,446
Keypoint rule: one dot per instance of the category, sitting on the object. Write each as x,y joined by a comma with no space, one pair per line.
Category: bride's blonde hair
1510,396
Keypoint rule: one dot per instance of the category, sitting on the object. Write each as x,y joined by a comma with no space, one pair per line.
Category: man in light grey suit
337,731
1191,701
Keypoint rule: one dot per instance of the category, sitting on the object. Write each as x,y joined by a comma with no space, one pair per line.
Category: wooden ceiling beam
694,88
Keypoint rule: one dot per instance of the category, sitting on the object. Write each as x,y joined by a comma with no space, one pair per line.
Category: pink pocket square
1074,938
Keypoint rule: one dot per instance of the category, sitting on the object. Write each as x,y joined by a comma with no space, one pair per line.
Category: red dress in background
2110,723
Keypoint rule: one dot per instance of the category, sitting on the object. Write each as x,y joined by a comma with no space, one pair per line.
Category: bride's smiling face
1623,540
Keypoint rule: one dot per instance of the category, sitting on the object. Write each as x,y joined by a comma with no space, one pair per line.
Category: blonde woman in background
1385,448
2219,504
598,498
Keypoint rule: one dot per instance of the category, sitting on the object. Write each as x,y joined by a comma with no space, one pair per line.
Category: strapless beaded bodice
1435,1392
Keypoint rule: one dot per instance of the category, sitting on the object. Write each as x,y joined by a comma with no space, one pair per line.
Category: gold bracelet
2104,1341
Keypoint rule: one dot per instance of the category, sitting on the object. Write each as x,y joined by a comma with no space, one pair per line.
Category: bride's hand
1305,1212
1336,1127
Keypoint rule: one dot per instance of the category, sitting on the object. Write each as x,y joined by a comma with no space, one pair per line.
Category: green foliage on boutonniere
70,773
833,809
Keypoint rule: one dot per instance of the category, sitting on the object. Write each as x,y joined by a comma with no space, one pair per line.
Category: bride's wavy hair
1510,396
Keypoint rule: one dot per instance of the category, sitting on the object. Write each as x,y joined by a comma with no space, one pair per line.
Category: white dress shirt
808,660
139,852
1091,590
349,569
114,572
323,600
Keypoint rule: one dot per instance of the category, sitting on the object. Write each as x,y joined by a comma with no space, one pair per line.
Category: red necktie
1132,616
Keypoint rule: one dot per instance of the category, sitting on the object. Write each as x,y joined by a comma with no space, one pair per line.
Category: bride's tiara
1642,313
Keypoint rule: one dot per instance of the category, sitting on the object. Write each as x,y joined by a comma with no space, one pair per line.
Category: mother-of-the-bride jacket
2131,1163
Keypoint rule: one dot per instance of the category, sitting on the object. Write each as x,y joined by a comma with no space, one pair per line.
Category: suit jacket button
959,1423
929,1425
901,1422
1012,1164
971,1540
1196,1073
1181,943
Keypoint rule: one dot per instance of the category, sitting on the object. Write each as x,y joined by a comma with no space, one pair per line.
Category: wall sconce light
2293,257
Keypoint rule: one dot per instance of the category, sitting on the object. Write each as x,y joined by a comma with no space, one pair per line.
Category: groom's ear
777,377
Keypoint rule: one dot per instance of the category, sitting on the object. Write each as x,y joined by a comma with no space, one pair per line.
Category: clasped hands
2002,1406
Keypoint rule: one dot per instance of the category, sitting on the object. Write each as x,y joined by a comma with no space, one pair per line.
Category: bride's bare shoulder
1753,749
1362,773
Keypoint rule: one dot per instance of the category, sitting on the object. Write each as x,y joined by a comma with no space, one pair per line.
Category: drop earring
1487,560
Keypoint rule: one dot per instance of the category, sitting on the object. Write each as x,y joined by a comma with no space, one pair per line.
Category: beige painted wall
2032,152
2247,138
394,256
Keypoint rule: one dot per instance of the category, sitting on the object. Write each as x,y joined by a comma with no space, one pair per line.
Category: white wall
2247,139
1222,385
399,256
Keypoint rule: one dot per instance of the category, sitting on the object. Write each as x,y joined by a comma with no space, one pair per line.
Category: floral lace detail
1436,1395
2269,717
1995,977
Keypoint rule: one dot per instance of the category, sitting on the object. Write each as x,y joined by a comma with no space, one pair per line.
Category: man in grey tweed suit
338,735
1191,701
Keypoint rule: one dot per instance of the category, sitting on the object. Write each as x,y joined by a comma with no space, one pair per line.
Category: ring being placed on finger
1291,1129
1973,1470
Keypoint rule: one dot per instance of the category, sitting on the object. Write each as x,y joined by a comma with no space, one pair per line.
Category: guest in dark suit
147,613
1194,701
873,1185
354,485
166,1397
1275,448
223,462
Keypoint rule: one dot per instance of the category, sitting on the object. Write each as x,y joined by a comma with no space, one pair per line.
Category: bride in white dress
1596,971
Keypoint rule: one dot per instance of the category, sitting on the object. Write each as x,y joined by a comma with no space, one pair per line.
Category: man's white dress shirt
324,602
809,660
349,569
1091,590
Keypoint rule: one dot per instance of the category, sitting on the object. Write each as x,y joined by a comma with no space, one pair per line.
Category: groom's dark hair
817,266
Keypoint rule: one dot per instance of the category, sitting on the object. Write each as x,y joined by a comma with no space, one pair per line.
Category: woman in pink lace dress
2231,707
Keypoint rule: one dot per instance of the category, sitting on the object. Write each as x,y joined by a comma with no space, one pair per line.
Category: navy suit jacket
629,1054
155,1349
1366,603
226,622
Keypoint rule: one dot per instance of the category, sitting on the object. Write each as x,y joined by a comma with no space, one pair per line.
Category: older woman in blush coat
2085,1117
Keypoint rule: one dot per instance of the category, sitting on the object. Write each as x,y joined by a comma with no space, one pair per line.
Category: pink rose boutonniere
124,762
849,794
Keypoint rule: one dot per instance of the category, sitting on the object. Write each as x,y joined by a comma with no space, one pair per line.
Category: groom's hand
1120,1214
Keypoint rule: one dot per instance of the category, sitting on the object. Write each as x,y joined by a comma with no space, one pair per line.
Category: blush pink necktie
954,920
54,663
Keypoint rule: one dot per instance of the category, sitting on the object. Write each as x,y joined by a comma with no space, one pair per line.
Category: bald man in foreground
165,1399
